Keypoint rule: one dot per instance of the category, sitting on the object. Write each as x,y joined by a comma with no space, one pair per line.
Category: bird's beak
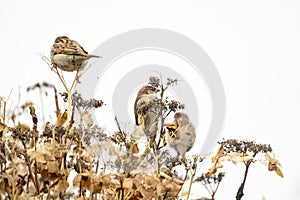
171,126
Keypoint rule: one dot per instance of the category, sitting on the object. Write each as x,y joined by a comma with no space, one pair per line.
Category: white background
255,46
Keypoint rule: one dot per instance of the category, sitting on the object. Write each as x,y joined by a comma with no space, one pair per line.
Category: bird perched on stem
146,111
68,55
181,134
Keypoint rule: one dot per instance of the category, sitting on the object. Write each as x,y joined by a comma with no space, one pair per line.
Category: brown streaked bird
181,134
146,110
68,55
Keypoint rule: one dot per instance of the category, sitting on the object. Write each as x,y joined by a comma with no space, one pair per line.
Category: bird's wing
69,47
144,105
136,112
79,49
146,113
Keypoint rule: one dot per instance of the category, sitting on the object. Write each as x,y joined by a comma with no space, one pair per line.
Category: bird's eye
153,89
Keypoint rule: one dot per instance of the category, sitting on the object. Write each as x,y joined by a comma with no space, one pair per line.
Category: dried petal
128,183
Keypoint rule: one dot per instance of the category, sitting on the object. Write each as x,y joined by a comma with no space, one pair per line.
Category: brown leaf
160,190
96,185
279,172
116,183
214,168
106,180
48,156
171,187
38,156
63,185
166,176
151,181
128,183
219,154
146,194
62,118
236,157
52,167
3,128
165,182
76,180
165,170
178,181
274,165
135,148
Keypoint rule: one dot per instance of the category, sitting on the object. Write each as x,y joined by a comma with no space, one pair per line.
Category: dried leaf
219,154
160,190
214,168
3,128
38,156
116,183
52,167
274,165
62,118
279,172
146,194
178,181
134,148
63,185
96,185
76,180
150,181
236,157
171,187
106,180
162,174
128,183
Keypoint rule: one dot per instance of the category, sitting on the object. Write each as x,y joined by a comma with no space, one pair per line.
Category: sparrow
181,134
68,55
146,110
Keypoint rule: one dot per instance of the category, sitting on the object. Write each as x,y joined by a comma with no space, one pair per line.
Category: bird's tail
93,56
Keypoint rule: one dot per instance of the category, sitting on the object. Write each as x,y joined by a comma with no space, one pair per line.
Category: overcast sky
254,45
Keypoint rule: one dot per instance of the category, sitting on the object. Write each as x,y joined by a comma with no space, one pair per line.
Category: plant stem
240,192
184,179
191,182
36,177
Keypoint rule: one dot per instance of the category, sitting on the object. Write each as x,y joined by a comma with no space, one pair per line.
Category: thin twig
240,192
191,182
184,179
56,102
